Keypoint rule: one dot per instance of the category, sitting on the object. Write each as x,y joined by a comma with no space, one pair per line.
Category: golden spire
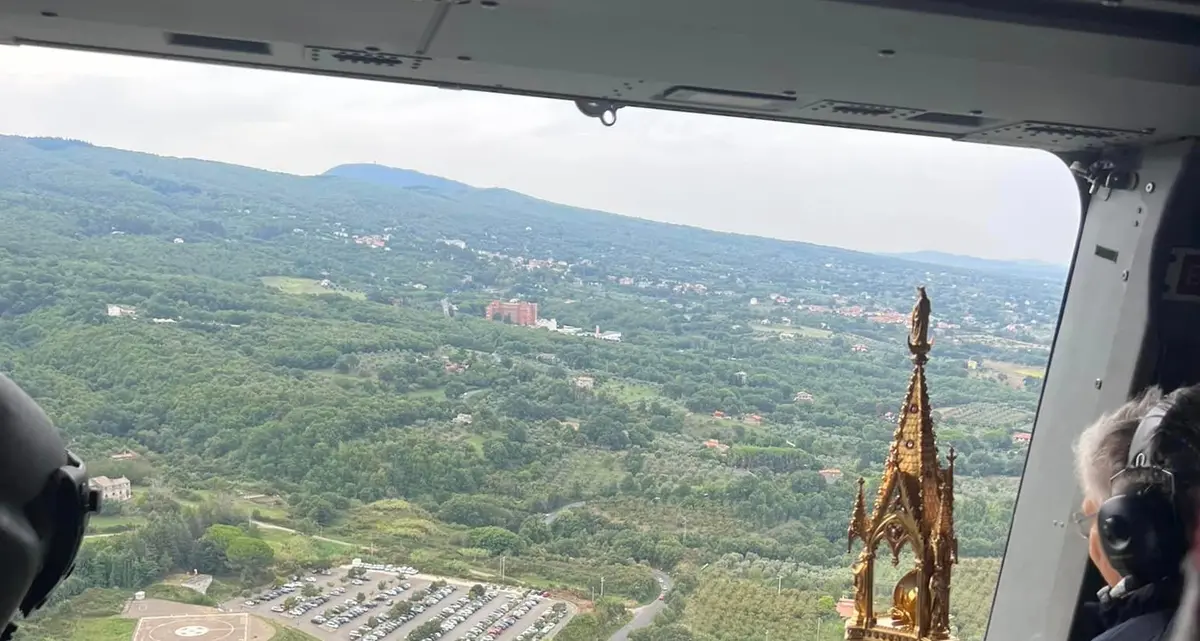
946,510
859,525
915,444
913,510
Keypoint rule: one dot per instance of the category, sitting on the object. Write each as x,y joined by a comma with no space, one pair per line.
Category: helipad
193,627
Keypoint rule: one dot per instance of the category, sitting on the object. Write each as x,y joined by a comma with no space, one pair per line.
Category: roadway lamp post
601,587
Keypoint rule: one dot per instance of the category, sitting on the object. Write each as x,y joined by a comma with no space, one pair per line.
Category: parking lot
327,605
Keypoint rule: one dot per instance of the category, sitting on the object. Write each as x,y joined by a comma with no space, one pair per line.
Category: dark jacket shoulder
1147,627
1141,614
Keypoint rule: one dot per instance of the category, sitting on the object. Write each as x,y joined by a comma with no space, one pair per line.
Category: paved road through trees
644,615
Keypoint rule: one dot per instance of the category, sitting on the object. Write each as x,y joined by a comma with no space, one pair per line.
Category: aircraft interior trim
1112,87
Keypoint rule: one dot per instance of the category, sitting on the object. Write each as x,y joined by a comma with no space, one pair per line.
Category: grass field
628,392
996,490
171,588
103,629
99,602
799,330
307,286
437,393
303,549
389,521
586,627
1007,343
984,415
285,633
179,594
91,616
103,524
586,471
266,511
1015,369
704,426
476,441
812,332
1011,374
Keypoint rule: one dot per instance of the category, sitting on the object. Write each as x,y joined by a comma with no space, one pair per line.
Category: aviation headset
1141,527
45,504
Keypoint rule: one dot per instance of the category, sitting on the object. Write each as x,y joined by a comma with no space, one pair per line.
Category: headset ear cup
70,510
20,558
1141,535
1117,533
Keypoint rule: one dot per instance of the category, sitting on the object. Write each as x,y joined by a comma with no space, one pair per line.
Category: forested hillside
702,400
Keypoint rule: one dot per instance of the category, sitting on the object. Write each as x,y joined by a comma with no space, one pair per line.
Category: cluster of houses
749,419
118,489
553,326
374,241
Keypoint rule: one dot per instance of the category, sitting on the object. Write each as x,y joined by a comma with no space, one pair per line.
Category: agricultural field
266,508
984,415
106,524
308,287
1015,370
800,331
299,549
626,392
994,489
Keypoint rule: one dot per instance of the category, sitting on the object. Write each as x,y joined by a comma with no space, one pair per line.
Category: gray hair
1103,448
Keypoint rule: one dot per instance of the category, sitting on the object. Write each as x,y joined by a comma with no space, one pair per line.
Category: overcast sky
861,190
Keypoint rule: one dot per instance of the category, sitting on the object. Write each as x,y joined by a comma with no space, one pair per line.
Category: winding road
644,615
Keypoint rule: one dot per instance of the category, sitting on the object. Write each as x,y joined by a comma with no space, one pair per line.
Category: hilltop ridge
395,177
410,179
1030,268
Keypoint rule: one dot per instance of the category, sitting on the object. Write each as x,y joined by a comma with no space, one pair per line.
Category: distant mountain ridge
410,179
1029,268
394,177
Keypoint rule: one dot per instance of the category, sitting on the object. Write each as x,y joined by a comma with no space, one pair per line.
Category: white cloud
862,190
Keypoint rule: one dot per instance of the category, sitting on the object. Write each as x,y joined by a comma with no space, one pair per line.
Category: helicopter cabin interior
1110,86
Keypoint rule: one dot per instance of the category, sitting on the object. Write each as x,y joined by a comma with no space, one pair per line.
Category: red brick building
519,313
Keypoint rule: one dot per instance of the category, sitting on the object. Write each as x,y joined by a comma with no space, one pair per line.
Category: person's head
44,506
1101,451
1139,467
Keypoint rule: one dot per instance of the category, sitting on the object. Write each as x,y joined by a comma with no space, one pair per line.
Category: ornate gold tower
914,508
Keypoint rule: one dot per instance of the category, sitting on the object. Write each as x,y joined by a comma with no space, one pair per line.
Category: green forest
319,344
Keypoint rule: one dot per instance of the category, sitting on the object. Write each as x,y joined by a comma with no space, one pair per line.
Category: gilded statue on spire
914,509
918,338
